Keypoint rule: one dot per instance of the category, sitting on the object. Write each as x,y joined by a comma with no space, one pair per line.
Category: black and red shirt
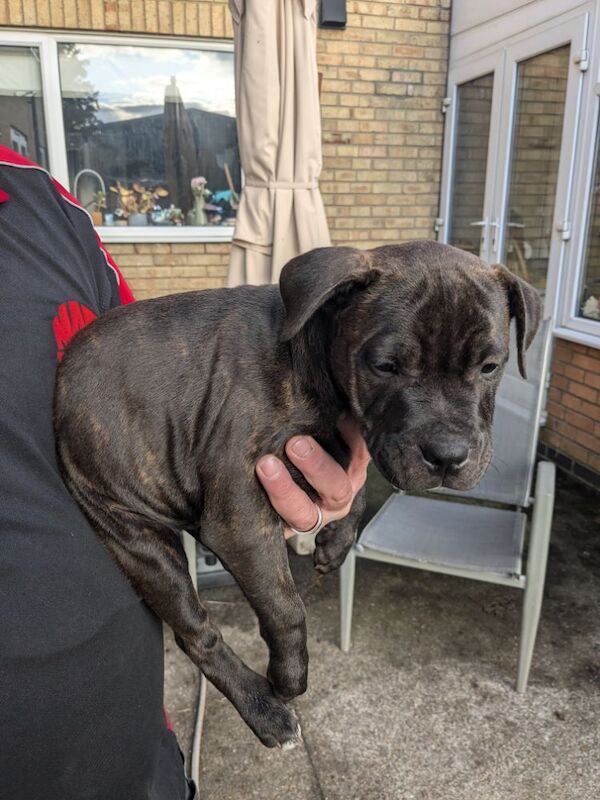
81,663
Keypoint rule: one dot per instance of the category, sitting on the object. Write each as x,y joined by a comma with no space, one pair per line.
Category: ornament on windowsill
197,215
591,308
174,215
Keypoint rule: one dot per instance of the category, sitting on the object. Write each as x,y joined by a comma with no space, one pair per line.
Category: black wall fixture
332,14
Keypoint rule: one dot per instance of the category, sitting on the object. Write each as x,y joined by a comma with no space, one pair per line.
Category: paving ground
423,708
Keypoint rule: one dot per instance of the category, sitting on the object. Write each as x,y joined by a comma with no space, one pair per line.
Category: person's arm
336,487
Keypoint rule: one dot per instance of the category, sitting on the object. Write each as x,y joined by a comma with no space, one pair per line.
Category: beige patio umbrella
281,212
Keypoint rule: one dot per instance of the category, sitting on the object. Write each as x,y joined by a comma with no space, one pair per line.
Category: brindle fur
163,407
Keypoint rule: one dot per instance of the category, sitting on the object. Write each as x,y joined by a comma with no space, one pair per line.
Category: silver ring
315,528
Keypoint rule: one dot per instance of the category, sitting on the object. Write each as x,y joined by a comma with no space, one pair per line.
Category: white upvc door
522,101
543,87
471,141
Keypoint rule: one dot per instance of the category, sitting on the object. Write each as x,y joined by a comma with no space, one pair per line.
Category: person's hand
335,486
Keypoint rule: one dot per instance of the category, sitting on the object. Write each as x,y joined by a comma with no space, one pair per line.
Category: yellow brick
381,23
138,20
228,24
153,248
97,15
15,12
111,14
217,20
204,27
151,14
165,18
124,14
179,17
117,248
191,19
29,13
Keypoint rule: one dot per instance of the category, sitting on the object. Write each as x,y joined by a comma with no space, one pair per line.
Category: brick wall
573,428
383,81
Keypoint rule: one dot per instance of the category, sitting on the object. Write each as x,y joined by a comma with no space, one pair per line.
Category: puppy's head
420,340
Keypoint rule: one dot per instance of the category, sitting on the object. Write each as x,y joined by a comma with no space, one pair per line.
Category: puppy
163,407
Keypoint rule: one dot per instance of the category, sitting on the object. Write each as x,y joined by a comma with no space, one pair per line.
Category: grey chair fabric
451,534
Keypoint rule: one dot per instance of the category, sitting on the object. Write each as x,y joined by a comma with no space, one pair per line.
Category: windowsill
170,234
588,339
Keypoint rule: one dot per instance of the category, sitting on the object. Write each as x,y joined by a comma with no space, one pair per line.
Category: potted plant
145,200
135,205
98,203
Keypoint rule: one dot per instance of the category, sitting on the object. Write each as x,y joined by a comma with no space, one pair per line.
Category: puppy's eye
487,369
386,367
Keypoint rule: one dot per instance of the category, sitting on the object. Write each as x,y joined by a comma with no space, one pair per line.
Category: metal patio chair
475,539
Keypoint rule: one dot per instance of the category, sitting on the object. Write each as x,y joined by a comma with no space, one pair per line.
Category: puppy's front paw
331,546
272,721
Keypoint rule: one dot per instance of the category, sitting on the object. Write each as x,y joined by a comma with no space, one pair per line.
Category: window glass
21,104
150,132
535,156
470,162
589,296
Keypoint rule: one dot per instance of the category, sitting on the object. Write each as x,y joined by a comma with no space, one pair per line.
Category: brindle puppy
163,407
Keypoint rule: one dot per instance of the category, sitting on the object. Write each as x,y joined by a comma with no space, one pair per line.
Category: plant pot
97,218
137,220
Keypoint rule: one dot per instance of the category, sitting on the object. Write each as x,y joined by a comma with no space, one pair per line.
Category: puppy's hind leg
153,559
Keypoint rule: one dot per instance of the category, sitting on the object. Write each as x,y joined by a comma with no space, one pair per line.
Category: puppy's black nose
445,455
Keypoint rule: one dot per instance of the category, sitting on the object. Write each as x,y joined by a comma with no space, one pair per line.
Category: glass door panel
466,225
539,111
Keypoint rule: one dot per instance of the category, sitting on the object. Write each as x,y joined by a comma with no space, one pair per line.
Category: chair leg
536,569
347,572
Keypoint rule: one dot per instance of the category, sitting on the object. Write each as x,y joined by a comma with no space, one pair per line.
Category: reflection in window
590,289
151,134
21,106
535,155
470,162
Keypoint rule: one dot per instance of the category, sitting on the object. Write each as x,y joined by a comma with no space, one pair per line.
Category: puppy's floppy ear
525,306
309,280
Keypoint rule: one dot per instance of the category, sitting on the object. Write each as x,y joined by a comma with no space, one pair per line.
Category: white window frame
570,325
47,43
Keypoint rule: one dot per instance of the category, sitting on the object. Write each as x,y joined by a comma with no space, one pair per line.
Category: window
474,111
148,141
142,131
589,292
541,93
21,110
